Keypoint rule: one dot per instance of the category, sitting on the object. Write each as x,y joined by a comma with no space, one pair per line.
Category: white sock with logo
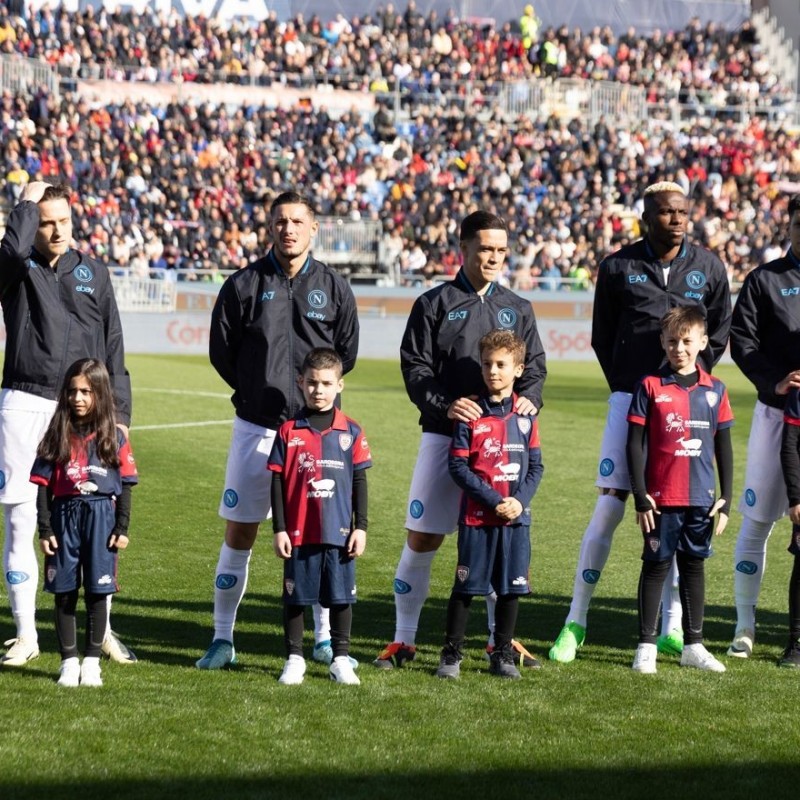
491,604
595,547
749,561
230,583
412,582
21,566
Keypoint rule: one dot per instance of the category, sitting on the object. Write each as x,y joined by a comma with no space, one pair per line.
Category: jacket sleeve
346,332
718,317
115,359
21,227
418,364
531,382
756,364
605,318
225,334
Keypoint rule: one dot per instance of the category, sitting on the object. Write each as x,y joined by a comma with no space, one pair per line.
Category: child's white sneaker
294,671
90,672
645,659
696,655
69,674
341,671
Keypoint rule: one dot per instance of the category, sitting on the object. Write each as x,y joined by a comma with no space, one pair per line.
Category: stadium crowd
185,185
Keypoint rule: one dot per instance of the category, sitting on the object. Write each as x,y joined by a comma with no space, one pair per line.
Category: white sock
229,585
491,604
595,547
21,567
411,584
749,562
671,611
322,623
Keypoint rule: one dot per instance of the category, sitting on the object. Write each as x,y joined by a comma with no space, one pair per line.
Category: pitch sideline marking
167,426
219,395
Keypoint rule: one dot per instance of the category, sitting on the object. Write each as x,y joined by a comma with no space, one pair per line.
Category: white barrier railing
144,294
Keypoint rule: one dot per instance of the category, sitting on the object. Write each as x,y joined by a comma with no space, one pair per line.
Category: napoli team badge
317,298
507,317
750,497
15,577
524,425
345,441
401,587
2,479
747,567
83,273
226,581
416,508
696,279
230,498
606,467
591,575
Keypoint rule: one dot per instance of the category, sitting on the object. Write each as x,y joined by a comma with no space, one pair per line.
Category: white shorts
433,500
24,419
246,497
612,469
764,497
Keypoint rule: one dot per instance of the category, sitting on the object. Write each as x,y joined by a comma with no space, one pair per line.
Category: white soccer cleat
742,644
69,673
294,671
696,655
20,652
116,651
645,659
90,672
341,671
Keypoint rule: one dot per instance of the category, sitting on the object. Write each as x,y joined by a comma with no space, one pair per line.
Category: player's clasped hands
509,509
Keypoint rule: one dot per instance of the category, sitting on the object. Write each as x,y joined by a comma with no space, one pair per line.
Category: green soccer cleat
566,646
671,643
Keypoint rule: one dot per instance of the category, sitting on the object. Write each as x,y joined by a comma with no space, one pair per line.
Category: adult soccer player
636,286
765,344
267,318
58,307
440,362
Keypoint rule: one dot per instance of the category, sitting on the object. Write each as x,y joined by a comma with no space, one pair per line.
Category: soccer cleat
742,644
114,650
341,671
323,654
449,663
696,655
395,654
671,643
294,671
20,652
524,657
220,655
791,655
501,663
567,644
90,672
69,674
645,659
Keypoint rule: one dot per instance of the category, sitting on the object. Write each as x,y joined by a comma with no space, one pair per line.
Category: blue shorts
493,559
82,527
686,529
319,573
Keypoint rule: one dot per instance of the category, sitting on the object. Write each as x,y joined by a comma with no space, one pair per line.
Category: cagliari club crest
524,425
462,573
345,441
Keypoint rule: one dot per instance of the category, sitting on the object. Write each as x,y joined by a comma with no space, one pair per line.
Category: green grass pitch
161,728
